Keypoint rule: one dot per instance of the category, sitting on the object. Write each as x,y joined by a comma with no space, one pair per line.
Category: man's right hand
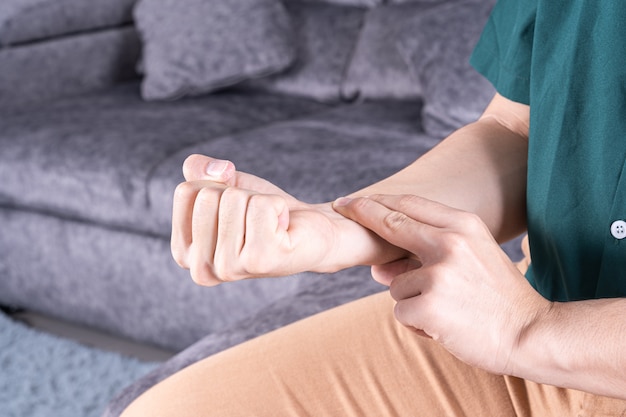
228,225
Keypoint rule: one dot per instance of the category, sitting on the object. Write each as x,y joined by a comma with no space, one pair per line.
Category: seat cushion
90,157
317,157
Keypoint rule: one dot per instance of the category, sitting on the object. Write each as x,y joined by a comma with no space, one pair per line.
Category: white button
618,229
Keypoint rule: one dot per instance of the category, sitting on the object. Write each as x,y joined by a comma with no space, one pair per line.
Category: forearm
579,345
481,168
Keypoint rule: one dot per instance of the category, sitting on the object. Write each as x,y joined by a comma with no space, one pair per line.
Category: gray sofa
101,102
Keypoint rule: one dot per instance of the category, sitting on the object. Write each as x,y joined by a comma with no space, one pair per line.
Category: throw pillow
377,70
437,46
326,35
205,45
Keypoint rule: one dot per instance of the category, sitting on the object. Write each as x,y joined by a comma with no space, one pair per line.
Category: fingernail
216,168
342,201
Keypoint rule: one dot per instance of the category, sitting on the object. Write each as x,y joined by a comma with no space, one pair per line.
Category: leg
355,360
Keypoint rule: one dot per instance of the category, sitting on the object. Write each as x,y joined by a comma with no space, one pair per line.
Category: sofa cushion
122,282
90,157
326,35
416,1
367,3
32,74
454,93
377,70
207,45
317,157
29,20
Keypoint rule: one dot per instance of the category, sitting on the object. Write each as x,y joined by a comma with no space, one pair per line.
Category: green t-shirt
567,60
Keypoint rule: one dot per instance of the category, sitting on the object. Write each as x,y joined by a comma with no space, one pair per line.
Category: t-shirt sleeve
503,53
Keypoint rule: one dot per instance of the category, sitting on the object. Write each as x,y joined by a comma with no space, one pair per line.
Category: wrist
351,244
532,352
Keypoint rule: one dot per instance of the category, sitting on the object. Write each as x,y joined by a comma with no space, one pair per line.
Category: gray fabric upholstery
121,282
208,45
97,151
325,37
295,154
133,286
438,55
344,2
377,70
34,73
416,1
29,20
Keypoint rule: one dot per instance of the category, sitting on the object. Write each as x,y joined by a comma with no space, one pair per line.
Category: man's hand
459,287
228,225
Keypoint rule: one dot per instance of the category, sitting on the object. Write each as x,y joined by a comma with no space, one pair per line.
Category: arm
237,225
468,296
480,168
579,345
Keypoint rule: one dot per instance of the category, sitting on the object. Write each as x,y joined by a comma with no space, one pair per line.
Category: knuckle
255,263
360,204
406,203
180,257
455,243
184,191
223,271
206,196
473,221
202,277
470,222
231,193
395,221
257,202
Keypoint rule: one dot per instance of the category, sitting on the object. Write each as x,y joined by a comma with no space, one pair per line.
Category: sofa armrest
42,71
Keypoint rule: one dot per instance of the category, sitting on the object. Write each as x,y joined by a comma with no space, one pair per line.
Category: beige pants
354,360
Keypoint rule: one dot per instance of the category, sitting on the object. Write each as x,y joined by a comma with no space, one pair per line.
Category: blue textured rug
43,375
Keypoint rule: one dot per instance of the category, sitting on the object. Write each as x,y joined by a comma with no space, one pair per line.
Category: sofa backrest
346,49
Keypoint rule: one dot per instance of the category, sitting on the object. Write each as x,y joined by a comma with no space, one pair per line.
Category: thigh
354,360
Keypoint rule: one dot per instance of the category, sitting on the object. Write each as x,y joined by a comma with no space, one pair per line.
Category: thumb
204,168
199,167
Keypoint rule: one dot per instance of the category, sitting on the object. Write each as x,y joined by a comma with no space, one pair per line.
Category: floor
92,337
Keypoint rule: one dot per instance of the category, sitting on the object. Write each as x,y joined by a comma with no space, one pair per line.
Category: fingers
421,209
267,222
205,213
182,218
195,215
223,233
397,220
386,273
411,290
